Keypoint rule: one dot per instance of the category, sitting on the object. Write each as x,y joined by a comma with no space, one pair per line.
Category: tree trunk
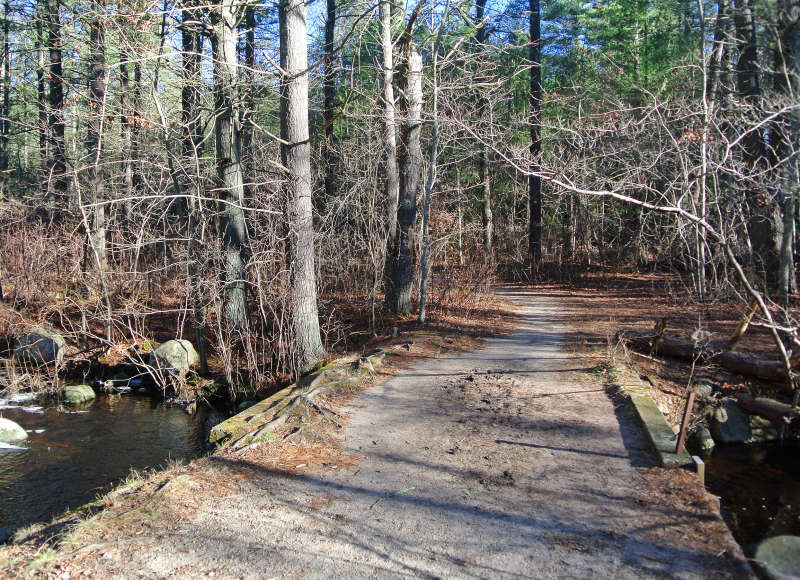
192,47
57,165
249,90
136,111
715,62
126,123
94,135
431,180
229,164
392,183
329,109
41,94
5,102
481,34
761,224
486,189
296,155
401,271
787,136
534,181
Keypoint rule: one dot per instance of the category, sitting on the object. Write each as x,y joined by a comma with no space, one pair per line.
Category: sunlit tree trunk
391,184
229,163
296,155
191,124
94,135
401,270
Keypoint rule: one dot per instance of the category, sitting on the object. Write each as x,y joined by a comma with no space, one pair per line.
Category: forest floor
515,460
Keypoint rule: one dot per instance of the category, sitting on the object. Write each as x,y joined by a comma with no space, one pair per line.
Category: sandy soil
511,461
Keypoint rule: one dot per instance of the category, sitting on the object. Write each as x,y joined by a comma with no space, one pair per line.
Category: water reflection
759,489
72,454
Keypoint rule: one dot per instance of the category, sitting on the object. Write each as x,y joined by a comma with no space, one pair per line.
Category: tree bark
534,181
761,224
769,370
57,165
481,34
126,123
392,183
431,180
137,124
296,155
401,271
94,135
192,47
775,411
486,198
329,108
787,136
229,163
249,89
715,62
41,92
5,102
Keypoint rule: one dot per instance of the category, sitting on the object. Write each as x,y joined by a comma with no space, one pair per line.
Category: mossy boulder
40,346
779,557
78,394
729,424
11,432
702,440
176,355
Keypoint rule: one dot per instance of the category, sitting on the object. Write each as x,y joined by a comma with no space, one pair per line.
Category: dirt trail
505,462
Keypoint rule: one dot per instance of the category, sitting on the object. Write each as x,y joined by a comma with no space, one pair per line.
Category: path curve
504,462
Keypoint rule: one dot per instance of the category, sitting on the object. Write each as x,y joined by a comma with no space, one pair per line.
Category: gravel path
504,462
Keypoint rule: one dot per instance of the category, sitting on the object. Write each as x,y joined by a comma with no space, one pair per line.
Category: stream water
758,487
73,455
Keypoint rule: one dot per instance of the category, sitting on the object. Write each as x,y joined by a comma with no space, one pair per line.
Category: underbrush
155,288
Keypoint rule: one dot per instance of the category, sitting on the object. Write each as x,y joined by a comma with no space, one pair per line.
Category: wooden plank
687,414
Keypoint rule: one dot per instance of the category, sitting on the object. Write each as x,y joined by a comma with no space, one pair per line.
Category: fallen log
713,353
775,411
